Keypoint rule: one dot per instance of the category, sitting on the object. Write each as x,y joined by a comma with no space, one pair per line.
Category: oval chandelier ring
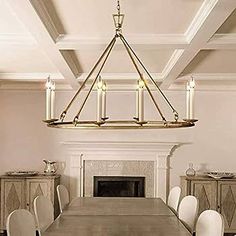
99,84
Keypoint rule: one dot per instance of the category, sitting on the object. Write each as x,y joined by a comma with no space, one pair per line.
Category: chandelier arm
150,76
141,77
62,116
90,90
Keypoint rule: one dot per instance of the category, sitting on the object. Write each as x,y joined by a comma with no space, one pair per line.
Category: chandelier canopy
144,78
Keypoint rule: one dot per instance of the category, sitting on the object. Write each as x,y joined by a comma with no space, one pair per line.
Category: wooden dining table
117,217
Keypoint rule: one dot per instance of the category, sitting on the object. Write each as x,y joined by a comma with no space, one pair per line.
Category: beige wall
25,140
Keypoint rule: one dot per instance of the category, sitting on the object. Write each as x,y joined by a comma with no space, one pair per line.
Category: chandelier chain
118,7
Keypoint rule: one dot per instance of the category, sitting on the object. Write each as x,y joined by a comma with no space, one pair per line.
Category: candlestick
48,99
53,87
99,100
141,100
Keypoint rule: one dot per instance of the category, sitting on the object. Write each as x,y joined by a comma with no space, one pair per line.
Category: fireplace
146,159
119,186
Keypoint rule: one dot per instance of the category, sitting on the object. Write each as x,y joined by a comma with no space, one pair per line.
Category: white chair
210,222
188,211
63,196
44,213
173,198
20,223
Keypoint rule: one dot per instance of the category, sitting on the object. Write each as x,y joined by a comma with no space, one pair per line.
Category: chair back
188,211
210,222
20,223
63,196
44,212
173,198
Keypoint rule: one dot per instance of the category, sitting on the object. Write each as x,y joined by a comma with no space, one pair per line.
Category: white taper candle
191,99
141,101
187,100
137,103
53,87
48,99
104,100
99,100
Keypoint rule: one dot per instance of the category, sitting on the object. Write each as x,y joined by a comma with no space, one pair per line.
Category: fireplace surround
111,154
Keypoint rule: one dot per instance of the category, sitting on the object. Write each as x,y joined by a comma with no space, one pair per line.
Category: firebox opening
119,186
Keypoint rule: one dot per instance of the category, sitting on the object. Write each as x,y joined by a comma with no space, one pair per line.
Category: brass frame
121,124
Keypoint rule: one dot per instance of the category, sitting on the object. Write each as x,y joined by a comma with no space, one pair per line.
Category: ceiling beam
34,15
221,42
138,42
207,21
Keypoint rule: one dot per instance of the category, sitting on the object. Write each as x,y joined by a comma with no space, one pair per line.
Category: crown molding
30,77
205,82
208,77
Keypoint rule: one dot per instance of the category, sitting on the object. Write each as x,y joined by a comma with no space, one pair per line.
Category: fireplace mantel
157,152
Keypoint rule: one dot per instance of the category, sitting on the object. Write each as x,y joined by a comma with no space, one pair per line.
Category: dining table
104,216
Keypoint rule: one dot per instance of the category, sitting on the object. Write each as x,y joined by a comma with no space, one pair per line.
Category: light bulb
53,85
100,84
192,83
48,84
141,84
104,87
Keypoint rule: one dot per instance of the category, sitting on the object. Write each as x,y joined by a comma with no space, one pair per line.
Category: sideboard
19,193
214,194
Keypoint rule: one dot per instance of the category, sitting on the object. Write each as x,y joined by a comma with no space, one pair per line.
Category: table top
116,226
115,217
117,206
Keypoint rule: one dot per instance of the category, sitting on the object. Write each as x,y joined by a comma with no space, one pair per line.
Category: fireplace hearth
119,186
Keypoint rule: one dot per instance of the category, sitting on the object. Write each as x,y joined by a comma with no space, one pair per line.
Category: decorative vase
190,171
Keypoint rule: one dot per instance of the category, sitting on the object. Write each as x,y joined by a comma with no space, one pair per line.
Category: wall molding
122,82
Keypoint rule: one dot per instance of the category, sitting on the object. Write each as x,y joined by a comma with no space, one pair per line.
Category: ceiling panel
142,17
222,61
9,24
119,61
229,25
25,61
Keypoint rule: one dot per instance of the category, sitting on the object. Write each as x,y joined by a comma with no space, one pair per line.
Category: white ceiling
174,39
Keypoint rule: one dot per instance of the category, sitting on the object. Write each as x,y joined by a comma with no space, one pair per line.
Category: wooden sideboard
20,192
214,194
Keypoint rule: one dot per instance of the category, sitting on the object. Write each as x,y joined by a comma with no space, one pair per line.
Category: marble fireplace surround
156,152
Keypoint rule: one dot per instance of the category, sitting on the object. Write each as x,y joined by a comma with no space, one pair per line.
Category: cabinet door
12,197
34,188
206,192
227,203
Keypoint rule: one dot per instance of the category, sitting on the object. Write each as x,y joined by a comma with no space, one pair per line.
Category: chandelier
144,79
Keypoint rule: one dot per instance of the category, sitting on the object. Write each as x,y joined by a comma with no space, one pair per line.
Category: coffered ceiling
175,39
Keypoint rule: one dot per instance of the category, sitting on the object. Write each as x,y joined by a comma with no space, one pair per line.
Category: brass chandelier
102,121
